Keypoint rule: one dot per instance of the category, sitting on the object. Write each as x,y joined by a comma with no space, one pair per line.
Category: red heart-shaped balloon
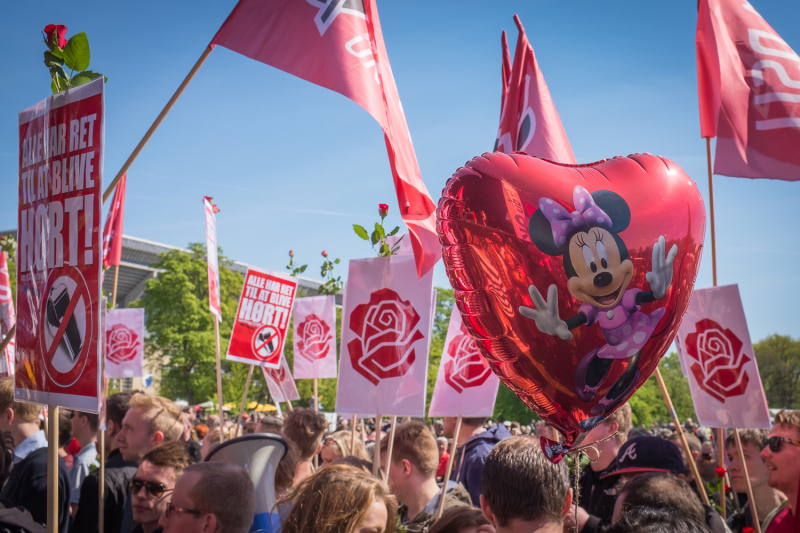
517,230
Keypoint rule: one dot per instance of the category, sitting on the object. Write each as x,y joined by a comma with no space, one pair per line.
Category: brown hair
91,417
26,412
305,428
117,405
335,499
788,419
284,475
458,519
520,482
756,437
622,417
477,421
161,413
415,442
226,491
659,490
170,454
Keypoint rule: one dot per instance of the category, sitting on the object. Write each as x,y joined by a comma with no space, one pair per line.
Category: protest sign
7,318
58,337
315,337
280,383
124,343
721,365
386,327
465,385
213,258
262,319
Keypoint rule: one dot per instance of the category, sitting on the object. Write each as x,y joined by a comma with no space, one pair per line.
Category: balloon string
576,455
582,449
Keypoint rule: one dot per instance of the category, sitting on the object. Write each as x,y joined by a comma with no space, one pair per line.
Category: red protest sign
59,250
259,332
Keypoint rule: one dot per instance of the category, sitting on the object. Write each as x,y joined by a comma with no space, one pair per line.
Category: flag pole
353,434
389,451
449,470
285,396
690,459
114,292
316,397
244,398
376,450
753,510
155,124
8,337
219,379
52,469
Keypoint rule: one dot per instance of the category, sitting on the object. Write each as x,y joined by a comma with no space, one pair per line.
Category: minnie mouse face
601,270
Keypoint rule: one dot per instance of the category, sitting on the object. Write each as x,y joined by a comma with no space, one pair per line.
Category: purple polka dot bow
566,224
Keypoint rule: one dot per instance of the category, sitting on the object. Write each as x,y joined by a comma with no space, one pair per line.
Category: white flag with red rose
280,383
465,385
315,337
124,343
386,329
720,362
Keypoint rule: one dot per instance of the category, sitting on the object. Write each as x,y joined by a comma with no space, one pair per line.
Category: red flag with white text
214,299
7,317
339,45
112,231
529,121
749,90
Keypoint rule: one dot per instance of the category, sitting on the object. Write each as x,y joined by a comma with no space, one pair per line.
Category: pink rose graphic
719,360
467,367
314,336
121,344
386,330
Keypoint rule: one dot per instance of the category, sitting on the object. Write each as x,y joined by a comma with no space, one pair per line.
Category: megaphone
259,454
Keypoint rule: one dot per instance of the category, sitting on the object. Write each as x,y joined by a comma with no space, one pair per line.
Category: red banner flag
7,317
339,45
529,121
749,97
112,231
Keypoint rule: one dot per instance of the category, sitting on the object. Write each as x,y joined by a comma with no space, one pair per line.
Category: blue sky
293,166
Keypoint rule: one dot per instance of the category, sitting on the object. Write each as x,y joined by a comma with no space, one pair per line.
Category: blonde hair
26,412
341,441
622,417
161,414
788,418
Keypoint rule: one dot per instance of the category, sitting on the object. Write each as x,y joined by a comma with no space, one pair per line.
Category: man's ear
111,429
567,503
158,438
487,513
406,466
9,415
210,523
319,449
695,455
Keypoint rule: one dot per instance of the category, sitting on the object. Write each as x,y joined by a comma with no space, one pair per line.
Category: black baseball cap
648,454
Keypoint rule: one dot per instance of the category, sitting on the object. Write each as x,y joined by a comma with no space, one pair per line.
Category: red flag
112,231
749,89
339,45
506,71
529,121
7,317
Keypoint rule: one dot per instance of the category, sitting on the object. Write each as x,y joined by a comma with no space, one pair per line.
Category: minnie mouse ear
615,207
541,233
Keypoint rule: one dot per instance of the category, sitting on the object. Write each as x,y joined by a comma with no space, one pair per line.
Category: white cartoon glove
660,277
546,313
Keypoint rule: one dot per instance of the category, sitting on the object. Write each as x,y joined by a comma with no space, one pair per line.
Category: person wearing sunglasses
782,456
338,445
153,484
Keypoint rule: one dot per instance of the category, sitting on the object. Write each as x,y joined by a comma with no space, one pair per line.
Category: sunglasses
154,490
328,441
175,509
774,443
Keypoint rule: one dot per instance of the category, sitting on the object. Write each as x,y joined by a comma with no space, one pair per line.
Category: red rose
467,367
121,343
721,472
60,31
719,360
314,336
383,210
324,253
386,330
291,253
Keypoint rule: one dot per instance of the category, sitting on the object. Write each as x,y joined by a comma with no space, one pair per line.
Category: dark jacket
456,496
27,487
470,459
598,496
118,473
17,519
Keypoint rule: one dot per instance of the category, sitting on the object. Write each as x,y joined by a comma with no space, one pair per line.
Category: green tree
647,403
778,359
441,321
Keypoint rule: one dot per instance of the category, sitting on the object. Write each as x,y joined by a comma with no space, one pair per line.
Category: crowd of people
156,479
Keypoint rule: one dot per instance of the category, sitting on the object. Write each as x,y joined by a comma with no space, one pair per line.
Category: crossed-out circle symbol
267,341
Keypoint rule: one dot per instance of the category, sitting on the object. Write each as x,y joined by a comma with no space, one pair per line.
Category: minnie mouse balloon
571,278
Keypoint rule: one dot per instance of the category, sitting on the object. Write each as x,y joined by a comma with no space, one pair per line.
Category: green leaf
58,69
394,231
84,77
361,232
76,52
302,269
379,230
385,249
374,238
400,238
51,59
336,260
57,52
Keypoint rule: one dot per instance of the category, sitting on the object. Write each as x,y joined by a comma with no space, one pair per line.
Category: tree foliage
778,359
647,403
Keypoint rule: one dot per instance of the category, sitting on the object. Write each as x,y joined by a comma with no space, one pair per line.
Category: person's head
442,443
520,485
341,444
64,428
782,453
340,499
694,446
463,519
201,430
270,424
305,428
753,441
154,481
650,520
117,406
191,413
211,440
468,425
83,426
21,419
617,423
648,454
211,498
150,420
658,490
415,457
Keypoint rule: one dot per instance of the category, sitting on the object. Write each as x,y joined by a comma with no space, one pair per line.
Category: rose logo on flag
719,367
314,338
121,343
467,367
386,330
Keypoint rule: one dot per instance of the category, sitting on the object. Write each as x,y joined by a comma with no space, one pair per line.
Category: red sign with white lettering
59,251
262,319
